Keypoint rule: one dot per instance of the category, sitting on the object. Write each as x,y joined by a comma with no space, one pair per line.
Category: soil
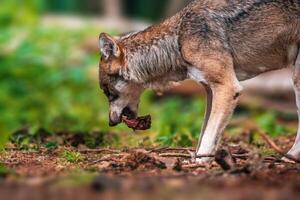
240,171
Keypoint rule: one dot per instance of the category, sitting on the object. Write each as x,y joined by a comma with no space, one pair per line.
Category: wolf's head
123,95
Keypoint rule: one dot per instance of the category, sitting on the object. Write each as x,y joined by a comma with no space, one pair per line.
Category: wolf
217,43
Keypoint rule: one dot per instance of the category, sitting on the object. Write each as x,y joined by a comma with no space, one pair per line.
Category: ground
245,169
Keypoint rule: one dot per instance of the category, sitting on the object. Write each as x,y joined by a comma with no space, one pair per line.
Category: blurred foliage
18,13
268,121
77,178
4,171
41,71
177,120
24,12
146,9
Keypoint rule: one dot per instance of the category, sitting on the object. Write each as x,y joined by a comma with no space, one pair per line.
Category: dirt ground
241,170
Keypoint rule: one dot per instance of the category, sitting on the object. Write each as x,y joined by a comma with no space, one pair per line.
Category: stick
101,160
172,149
11,149
270,142
183,155
107,158
99,151
274,146
176,155
192,166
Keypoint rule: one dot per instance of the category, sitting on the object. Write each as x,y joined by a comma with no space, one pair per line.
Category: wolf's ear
108,46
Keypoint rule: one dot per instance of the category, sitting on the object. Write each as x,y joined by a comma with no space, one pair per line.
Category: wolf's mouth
140,123
136,123
128,113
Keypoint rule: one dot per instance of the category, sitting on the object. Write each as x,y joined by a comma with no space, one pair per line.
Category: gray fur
152,61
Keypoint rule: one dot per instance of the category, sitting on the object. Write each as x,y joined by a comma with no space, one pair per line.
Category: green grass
268,121
72,156
4,171
76,178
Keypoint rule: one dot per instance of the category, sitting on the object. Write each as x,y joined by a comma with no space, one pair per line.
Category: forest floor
243,169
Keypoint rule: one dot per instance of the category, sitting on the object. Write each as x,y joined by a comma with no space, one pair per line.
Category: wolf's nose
111,123
114,119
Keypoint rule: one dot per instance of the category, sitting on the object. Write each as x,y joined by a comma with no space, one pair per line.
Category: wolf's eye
113,97
110,95
106,91
115,77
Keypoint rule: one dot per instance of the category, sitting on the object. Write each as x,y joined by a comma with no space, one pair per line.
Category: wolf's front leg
222,98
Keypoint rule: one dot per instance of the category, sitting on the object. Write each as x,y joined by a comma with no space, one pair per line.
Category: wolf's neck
149,61
152,53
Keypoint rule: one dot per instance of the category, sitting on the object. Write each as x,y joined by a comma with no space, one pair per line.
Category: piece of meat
140,123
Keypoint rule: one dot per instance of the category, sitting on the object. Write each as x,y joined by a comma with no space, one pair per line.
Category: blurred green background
48,74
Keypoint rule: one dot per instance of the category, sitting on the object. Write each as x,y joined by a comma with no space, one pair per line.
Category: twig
176,155
272,144
193,166
108,158
158,149
10,163
101,160
11,149
183,155
27,150
172,149
272,159
241,156
99,151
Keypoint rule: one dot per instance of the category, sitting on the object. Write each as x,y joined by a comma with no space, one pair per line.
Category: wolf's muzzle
115,119
127,112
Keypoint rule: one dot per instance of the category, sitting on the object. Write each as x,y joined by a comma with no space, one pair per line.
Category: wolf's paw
286,160
291,158
195,160
205,160
198,161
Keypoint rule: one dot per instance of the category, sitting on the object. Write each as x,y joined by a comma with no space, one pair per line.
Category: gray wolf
216,43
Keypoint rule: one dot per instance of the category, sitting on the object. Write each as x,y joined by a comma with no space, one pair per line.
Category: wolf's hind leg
295,151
